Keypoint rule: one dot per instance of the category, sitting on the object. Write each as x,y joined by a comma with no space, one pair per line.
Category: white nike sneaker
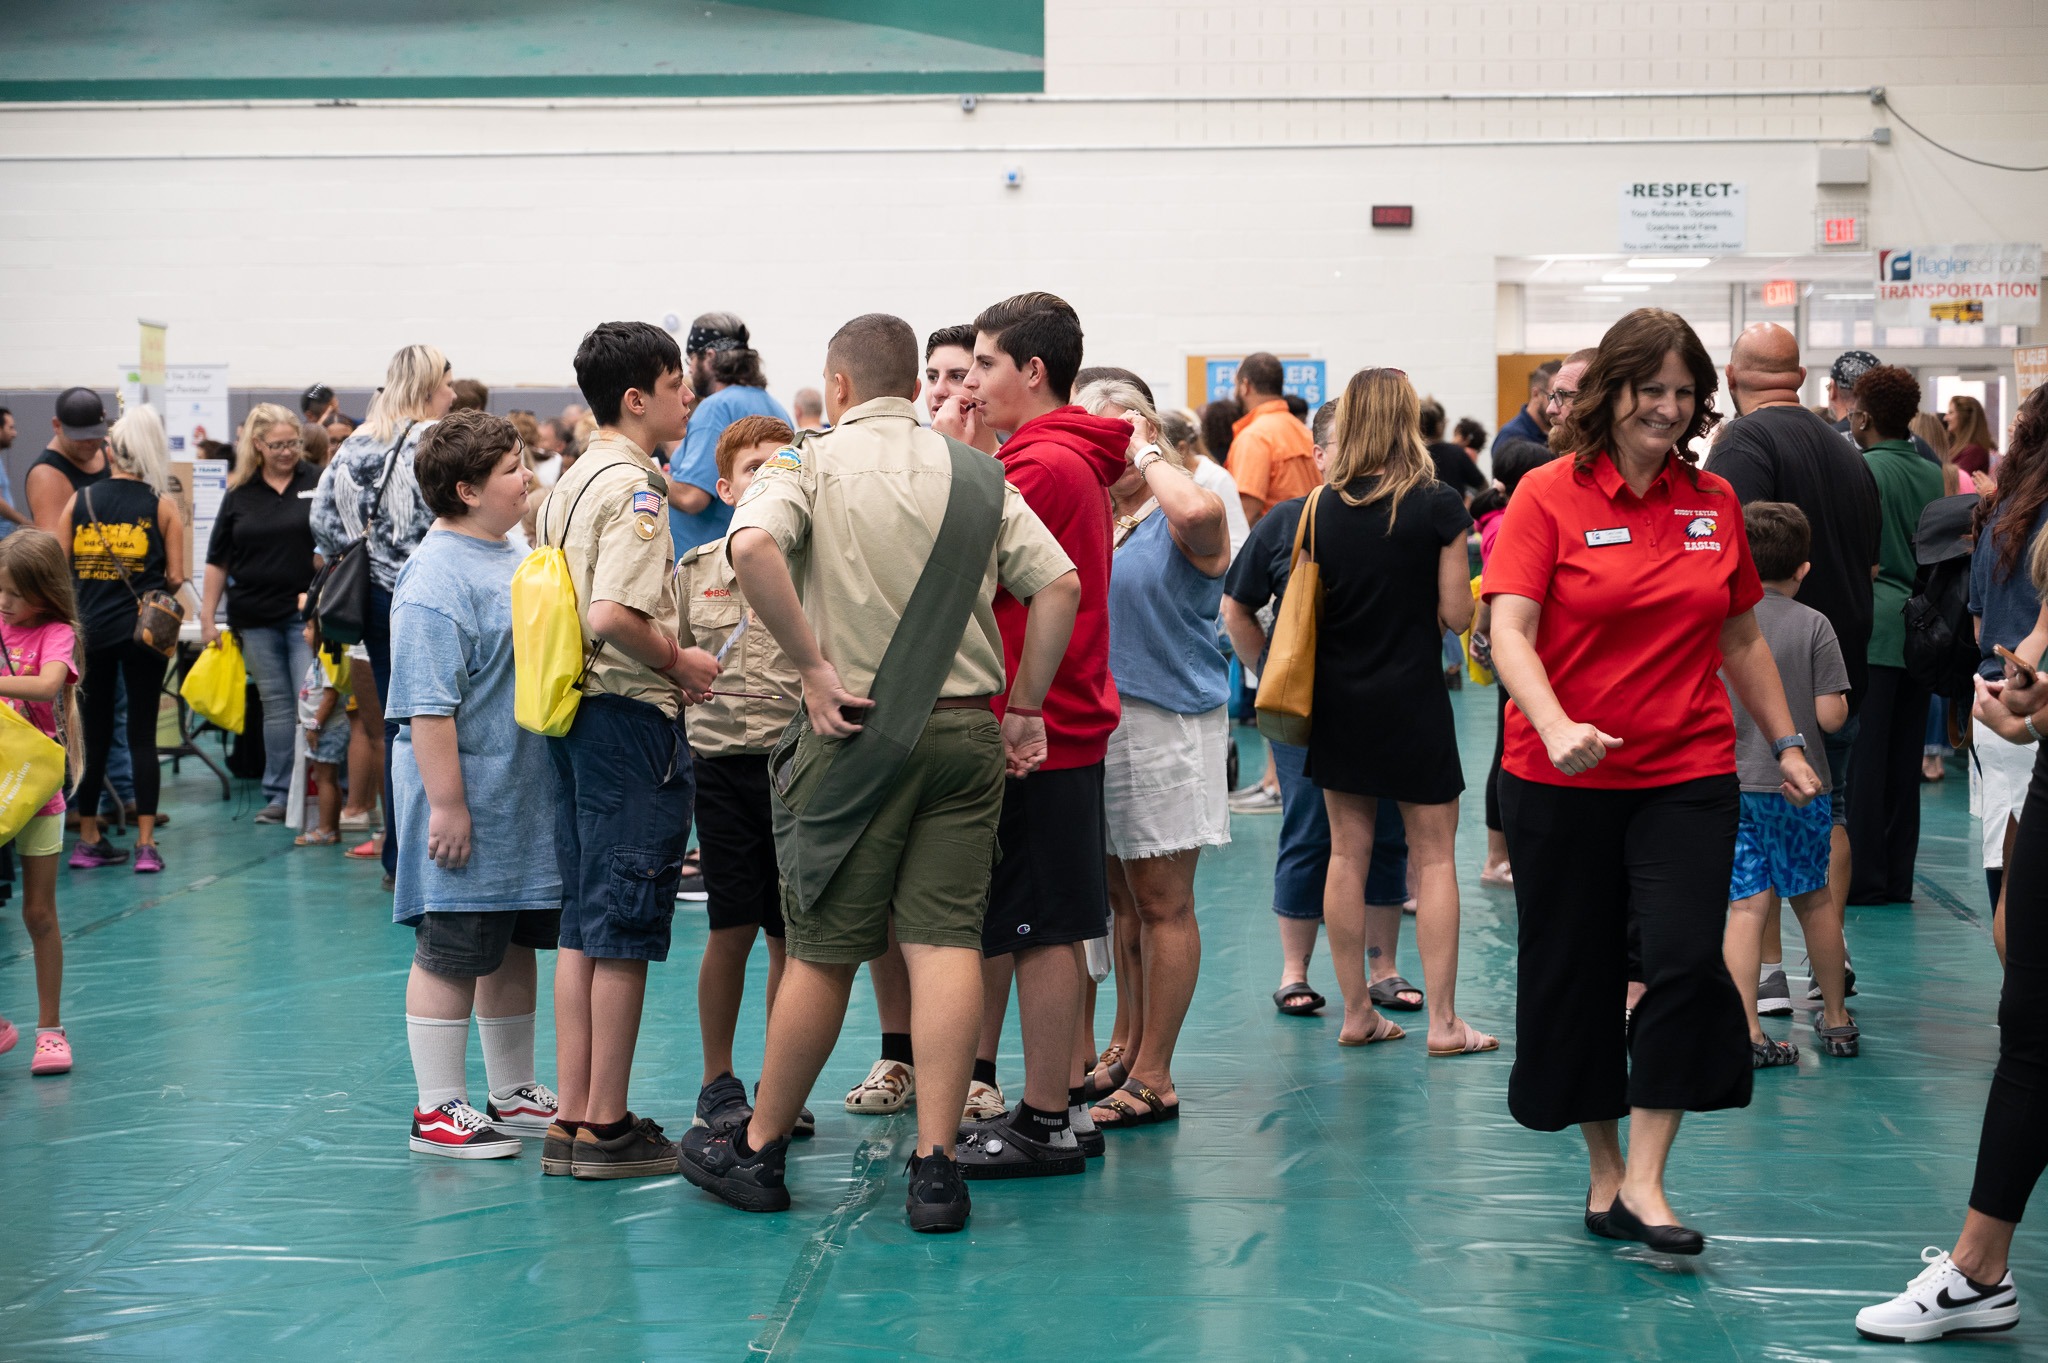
1940,1302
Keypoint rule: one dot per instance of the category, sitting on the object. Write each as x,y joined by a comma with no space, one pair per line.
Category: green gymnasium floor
226,1174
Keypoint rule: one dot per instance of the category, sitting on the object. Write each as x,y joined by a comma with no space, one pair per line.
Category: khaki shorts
42,836
925,858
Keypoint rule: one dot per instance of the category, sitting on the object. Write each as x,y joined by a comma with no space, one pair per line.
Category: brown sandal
1156,1110
1110,1065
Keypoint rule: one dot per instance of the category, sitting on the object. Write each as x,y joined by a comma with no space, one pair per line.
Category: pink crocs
53,1054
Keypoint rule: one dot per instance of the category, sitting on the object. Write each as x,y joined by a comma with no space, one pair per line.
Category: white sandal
889,1087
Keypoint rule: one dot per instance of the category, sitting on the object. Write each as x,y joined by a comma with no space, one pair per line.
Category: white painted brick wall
295,269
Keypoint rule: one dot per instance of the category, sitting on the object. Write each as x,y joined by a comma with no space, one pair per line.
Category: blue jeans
626,782
120,766
277,656
1305,845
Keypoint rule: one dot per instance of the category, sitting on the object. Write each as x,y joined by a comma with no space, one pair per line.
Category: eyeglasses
1562,395
278,446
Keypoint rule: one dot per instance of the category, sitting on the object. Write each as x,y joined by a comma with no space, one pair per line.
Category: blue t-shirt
7,527
451,654
1162,624
2008,605
696,462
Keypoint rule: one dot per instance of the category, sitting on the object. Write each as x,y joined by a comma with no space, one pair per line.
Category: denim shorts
331,744
627,784
1779,846
1304,856
472,945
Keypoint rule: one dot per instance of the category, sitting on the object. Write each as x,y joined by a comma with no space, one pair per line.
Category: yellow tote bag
1481,673
216,686
1287,684
31,770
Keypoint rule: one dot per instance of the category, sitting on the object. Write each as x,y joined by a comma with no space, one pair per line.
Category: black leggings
1884,788
141,671
1587,862
2013,1150
1500,747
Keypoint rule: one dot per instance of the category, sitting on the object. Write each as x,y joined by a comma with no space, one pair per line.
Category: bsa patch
644,524
784,458
647,502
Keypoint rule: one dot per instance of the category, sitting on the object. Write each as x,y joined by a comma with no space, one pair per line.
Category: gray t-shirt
1809,664
451,654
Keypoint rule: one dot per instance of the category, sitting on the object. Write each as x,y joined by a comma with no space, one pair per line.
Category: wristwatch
1146,457
1779,746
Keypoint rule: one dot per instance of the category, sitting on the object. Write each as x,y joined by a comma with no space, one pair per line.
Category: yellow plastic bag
31,771
547,644
336,669
1481,673
216,686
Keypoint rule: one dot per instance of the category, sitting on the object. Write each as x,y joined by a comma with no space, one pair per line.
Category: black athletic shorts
1051,885
736,835
471,945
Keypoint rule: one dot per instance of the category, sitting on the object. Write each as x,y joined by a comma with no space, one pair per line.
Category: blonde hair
136,447
1379,435
415,375
248,463
1972,427
33,561
1118,393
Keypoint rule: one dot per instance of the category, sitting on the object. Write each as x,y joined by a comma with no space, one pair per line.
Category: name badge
1599,539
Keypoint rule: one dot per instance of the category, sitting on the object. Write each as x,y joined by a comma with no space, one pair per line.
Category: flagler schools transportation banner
1991,283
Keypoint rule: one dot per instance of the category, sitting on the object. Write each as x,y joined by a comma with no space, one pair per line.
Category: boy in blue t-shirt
474,795
1781,848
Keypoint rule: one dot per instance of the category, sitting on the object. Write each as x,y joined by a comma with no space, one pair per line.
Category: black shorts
471,945
1051,885
736,833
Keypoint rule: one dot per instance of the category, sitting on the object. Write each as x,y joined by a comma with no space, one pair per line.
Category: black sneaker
642,1152
690,889
1848,981
753,1183
806,1120
722,1105
1773,996
938,1201
557,1150
998,1150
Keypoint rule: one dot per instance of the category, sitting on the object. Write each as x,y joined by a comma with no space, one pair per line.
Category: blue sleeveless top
1162,624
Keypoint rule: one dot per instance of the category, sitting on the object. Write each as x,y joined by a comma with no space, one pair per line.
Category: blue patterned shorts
1780,847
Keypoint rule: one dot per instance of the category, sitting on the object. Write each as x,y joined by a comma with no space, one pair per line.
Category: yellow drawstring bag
547,633
216,686
1481,673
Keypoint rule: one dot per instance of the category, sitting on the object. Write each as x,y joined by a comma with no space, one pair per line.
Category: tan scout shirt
856,511
712,610
619,549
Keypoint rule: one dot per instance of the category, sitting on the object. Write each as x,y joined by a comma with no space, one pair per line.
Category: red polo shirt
1634,592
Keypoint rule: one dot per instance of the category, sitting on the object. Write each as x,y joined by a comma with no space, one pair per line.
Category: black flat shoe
1623,1224
1596,1222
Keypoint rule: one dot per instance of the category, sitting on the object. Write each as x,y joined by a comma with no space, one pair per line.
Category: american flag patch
647,501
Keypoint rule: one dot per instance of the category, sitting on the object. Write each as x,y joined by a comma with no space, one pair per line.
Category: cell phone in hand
2022,671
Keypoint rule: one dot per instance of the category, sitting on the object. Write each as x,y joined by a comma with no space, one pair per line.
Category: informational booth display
1213,378
1684,216
195,407
206,484
2030,368
1976,283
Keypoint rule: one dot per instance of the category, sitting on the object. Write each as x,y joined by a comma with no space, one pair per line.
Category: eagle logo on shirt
1700,528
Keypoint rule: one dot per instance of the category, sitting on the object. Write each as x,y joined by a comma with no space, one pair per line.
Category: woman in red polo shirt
1621,583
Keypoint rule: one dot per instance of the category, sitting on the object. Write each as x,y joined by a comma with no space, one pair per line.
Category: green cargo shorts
926,856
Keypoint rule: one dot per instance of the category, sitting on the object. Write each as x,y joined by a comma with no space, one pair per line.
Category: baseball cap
81,415
1852,365
319,395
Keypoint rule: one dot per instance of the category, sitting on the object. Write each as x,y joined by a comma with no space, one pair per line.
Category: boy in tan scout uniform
889,785
731,735
623,771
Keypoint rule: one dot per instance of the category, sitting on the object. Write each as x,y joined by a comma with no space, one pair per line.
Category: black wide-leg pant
2013,1151
1584,859
1884,788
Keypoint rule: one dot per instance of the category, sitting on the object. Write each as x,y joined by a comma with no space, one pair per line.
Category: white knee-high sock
508,1052
439,1048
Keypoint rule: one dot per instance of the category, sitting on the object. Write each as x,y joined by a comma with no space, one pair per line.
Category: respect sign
1993,283
1684,215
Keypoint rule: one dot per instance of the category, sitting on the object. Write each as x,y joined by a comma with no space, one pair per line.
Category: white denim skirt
1163,781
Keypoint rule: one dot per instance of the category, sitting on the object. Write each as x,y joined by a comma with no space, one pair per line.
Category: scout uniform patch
647,506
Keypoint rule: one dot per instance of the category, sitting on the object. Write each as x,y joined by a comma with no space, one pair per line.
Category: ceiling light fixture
1617,288
1670,262
1637,277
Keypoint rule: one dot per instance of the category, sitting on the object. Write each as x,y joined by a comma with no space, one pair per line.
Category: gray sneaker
1774,996
270,814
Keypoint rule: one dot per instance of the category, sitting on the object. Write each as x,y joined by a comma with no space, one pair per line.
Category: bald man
1777,451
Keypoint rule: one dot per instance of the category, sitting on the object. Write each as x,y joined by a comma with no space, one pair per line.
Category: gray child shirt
1809,664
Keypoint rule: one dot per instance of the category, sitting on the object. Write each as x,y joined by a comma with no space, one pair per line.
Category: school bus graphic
1958,310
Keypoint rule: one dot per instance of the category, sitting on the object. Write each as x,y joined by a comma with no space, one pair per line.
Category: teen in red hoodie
1050,892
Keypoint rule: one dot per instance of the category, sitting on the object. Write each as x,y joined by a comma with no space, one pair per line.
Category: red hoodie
1063,463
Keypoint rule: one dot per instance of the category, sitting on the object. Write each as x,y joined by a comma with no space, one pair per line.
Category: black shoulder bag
340,595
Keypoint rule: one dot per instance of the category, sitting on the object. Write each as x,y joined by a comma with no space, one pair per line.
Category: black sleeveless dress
128,537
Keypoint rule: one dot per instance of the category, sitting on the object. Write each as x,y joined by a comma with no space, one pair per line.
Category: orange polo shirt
1272,455
1634,592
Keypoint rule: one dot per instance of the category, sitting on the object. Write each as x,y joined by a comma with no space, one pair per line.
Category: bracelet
1025,711
675,656
2036,734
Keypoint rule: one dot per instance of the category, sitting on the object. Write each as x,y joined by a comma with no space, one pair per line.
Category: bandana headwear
1852,365
703,338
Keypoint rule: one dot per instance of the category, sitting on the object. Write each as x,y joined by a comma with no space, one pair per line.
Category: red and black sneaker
459,1131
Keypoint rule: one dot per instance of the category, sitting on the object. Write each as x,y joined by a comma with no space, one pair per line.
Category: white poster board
1684,216
209,486
195,408
1977,283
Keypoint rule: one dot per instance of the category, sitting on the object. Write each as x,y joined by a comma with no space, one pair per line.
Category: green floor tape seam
784,1330
1950,902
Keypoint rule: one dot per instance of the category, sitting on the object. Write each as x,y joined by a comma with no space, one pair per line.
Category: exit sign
1781,293
1393,215
1841,231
